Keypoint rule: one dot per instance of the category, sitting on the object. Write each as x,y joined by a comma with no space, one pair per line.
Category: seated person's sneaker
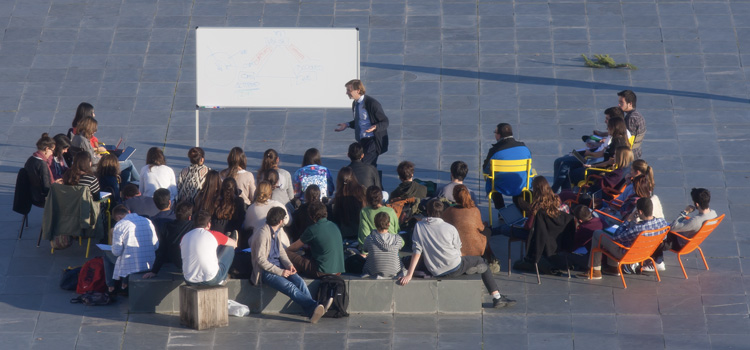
317,314
649,267
502,301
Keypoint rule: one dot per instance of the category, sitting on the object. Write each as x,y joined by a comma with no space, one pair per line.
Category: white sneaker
650,268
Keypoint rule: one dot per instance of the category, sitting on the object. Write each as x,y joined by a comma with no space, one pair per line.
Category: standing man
633,120
370,123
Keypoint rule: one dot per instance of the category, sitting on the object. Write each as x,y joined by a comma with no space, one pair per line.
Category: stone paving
446,72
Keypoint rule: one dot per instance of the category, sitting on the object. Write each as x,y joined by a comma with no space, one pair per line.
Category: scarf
48,160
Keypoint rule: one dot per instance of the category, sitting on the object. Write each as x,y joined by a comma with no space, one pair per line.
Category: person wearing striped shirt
382,247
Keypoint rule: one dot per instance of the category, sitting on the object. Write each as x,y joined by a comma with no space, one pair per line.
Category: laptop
126,154
115,148
512,216
578,156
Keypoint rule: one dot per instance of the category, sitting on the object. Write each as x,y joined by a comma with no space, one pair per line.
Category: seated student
618,131
366,174
642,188
170,236
157,174
374,198
271,160
278,194
688,223
39,171
586,225
164,204
255,216
108,174
236,164
59,164
206,255
136,203
230,211
134,244
639,167
506,148
459,170
300,219
382,247
272,266
408,188
438,242
326,247
208,197
80,174
615,178
347,203
312,172
191,178
467,219
626,234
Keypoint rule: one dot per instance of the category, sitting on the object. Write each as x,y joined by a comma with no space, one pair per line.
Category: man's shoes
630,269
611,270
495,266
317,314
328,304
596,275
223,282
502,302
481,268
649,267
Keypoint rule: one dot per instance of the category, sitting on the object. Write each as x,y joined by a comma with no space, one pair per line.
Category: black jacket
366,174
550,235
39,179
377,117
170,236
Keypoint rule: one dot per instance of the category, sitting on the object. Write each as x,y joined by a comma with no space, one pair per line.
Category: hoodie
383,257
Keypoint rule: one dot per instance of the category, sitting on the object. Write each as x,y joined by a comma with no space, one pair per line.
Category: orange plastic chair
695,242
640,251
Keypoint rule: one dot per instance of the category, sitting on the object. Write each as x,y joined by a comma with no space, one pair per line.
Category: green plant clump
603,61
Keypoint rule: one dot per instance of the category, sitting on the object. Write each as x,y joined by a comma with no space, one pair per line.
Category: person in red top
586,225
206,255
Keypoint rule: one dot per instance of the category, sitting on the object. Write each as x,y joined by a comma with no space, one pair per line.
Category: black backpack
332,286
92,298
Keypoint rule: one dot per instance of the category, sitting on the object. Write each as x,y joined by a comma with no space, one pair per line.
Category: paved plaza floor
446,73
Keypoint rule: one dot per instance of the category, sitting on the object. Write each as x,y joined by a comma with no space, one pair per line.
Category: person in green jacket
374,197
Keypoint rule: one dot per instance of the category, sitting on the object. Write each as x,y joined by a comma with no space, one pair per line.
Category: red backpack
91,277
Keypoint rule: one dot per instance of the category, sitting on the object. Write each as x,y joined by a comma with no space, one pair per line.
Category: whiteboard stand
197,129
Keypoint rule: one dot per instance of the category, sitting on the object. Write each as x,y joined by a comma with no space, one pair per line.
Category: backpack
91,277
332,286
69,280
61,242
93,299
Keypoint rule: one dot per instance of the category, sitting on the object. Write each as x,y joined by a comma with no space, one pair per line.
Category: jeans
562,168
109,268
468,262
128,174
225,255
294,287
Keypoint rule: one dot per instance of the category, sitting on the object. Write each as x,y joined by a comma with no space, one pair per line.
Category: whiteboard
275,67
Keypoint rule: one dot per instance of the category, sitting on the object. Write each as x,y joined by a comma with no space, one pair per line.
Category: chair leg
88,246
622,276
24,221
39,241
509,259
679,258
538,278
591,265
703,257
567,265
658,278
489,200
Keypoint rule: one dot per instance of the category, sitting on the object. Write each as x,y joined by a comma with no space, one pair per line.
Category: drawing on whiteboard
279,59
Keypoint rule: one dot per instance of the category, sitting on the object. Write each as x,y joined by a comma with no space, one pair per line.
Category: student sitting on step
206,255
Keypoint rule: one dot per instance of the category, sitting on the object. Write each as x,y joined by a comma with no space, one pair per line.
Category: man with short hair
163,203
626,234
439,243
459,170
134,243
170,235
408,188
137,203
272,266
206,255
635,122
370,123
366,174
688,223
325,243
506,148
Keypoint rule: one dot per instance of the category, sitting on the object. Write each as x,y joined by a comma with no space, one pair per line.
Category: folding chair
498,167
695,242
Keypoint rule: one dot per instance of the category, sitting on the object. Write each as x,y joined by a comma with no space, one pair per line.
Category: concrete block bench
425,296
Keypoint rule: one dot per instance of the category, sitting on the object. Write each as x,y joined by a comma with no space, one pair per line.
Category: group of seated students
614,187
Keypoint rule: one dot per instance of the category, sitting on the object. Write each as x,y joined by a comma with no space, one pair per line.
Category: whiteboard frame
198,108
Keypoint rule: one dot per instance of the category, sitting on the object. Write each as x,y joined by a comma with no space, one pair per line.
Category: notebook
578,156
512,216
126,154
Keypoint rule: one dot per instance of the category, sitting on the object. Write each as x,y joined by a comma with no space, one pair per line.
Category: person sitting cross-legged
326,247
438,242
626,234
271,265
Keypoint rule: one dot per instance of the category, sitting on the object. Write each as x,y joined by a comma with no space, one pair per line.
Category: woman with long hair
348,203
207,199
300,219
467,219
615,179
84,133
108,173
39,169
255,216
312,172
618,132
191,178
271,160
81,174
230,210
156,174
272,176
59,163
236,164
84,110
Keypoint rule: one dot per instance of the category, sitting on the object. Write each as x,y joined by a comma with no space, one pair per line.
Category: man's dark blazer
377,117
